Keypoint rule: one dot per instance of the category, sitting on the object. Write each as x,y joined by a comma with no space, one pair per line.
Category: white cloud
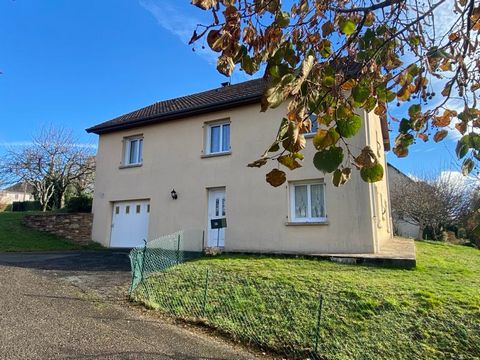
444,17
14,144
177,23
469,181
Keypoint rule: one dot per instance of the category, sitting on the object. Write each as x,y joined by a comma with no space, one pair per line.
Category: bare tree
52,163
432,202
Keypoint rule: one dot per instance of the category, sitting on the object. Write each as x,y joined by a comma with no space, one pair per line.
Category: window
133,151
139,207
127,209
314,129
117,210
218,138
148,208
307,202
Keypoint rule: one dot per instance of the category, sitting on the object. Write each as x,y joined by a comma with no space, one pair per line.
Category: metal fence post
317,329
144,253
143,259
205,294
178,249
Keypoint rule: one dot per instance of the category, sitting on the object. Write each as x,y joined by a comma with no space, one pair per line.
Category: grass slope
431,312
14,236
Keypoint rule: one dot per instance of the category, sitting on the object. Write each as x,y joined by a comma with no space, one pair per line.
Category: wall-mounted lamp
174,194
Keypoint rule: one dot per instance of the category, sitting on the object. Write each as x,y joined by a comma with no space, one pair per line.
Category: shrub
26,206
81,203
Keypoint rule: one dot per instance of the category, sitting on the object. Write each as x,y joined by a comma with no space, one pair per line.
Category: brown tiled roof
217,99
224,97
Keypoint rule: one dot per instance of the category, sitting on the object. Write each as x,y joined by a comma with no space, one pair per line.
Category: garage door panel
129,223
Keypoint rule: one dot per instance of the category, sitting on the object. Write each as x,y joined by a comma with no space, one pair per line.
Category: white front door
130,223
216,210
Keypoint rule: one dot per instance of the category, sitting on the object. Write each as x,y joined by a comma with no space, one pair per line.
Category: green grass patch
431,312
15,236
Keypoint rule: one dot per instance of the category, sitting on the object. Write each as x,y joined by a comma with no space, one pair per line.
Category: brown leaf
215,40
440,135
366,158
327,28
441,121
258,163
454,36
445,65
475,18
423,136
400,151
225,65
348,85
204,4
380,109
446,90
461,127
276,177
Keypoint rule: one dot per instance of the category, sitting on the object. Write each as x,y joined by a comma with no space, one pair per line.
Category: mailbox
218,223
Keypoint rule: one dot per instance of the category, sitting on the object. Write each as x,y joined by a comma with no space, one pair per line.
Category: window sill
203,156
310,223
129,166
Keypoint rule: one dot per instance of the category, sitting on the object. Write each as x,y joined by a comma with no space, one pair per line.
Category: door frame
209,190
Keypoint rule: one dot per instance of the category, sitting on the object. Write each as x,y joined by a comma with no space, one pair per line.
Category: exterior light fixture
174,194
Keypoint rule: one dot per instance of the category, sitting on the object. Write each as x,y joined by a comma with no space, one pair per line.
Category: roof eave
174,115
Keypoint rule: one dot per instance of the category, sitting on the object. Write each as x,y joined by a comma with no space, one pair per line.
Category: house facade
402,225
17,192
181,163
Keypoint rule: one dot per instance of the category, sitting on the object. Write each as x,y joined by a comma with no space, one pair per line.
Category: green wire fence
282,319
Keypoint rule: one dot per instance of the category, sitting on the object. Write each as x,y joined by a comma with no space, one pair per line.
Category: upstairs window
218,138
307,200
133,151
314,129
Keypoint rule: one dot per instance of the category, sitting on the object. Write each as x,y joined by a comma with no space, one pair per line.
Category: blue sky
78,63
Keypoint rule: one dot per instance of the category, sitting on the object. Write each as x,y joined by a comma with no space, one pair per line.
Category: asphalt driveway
72,305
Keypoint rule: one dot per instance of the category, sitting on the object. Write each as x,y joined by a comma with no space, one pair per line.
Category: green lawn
431,312
14,236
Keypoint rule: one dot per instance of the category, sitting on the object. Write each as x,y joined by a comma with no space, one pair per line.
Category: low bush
26,206
81,204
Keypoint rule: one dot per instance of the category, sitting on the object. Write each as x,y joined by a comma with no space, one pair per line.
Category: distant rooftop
20,188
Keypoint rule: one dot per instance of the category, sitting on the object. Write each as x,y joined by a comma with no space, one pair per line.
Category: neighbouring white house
181,163
402,225
18,192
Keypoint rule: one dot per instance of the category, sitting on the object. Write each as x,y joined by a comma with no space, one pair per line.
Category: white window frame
127,149
309,218
208,139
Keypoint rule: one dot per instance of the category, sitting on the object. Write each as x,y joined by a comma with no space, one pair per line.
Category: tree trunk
62,198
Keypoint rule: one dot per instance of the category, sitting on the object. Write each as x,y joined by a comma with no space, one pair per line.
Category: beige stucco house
18,192
181,163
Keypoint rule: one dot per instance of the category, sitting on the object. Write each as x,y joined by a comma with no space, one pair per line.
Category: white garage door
130,223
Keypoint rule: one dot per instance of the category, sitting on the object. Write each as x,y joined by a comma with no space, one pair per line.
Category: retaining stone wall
76,226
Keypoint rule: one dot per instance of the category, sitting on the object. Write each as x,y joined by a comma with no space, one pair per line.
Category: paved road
72,306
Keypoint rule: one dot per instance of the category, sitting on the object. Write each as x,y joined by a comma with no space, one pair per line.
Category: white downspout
371,189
